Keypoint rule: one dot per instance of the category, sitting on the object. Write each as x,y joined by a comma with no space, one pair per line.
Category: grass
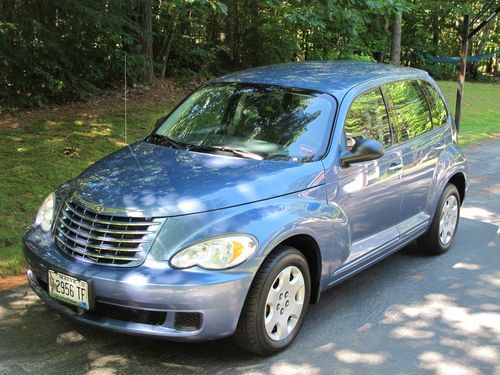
480,110
37,156
39,151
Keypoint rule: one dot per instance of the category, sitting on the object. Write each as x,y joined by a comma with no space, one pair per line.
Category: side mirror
363,150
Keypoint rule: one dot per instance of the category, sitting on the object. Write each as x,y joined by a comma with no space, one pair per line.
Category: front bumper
152,287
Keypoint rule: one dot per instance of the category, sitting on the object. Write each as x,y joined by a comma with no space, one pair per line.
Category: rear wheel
441,234
276,304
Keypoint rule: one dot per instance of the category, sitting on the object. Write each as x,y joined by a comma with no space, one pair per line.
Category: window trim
420,85
389,118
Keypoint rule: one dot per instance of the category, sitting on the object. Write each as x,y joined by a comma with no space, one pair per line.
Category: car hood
162,181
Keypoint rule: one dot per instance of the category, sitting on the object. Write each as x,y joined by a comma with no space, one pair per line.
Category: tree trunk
167,44
146,41
436,31
495,68
380,56
396,39
8,9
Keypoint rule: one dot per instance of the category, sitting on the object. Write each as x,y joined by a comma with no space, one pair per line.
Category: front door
370,192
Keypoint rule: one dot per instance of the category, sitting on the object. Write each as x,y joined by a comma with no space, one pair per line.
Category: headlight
45,215
216,253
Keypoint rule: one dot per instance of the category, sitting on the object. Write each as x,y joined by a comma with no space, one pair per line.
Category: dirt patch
161,93
10,282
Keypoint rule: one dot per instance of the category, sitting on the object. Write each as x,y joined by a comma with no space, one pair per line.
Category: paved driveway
408,314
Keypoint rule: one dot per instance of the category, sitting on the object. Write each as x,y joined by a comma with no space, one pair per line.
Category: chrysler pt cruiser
258,192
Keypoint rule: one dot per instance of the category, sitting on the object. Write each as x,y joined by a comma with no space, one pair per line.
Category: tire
252,331
432,242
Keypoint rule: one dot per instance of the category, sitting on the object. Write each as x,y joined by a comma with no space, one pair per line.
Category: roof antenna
125,96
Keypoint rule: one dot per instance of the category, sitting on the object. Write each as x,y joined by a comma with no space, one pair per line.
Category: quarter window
367,119
436,104
409,108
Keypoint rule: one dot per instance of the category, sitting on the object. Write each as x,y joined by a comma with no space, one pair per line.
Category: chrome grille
103,238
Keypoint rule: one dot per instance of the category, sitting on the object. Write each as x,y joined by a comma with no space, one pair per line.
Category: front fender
271,221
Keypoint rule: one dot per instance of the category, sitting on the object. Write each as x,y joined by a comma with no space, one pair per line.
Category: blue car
258,192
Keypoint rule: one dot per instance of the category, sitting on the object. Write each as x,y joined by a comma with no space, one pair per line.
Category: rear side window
367,119
409,108
436,104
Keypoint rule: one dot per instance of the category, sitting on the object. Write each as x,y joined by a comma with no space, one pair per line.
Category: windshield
248,120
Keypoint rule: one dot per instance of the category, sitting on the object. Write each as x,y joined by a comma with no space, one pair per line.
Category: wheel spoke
295,309
285,276
272,296
272,320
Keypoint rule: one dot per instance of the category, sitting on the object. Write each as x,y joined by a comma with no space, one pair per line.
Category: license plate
69,289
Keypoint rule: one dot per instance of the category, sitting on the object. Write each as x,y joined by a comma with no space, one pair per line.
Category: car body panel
161,181
332,77
219,296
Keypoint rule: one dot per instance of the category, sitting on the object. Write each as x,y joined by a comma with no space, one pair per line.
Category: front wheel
276,304
441,234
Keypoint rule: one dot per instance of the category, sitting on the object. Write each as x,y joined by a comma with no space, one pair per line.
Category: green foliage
59,50
434,26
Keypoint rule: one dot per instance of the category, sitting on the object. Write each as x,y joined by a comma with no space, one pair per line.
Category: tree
146,40
396,38
167,43
57,50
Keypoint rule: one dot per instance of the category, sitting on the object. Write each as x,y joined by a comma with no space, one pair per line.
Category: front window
262,122
367,118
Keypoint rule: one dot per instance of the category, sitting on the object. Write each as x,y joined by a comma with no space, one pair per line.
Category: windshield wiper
163,140
234,151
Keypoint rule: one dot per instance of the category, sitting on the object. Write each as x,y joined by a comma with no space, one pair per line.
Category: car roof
332,77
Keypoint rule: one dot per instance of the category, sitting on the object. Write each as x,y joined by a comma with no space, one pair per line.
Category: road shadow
409,313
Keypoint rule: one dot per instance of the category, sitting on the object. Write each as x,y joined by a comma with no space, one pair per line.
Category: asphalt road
408,314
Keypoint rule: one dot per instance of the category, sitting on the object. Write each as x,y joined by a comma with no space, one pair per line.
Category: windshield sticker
307,150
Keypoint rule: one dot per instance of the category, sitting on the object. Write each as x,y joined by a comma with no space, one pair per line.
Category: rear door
418,144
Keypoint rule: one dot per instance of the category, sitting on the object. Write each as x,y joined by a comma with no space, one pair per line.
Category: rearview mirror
363,150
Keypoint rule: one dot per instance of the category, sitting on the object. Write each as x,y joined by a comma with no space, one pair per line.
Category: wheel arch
309,248
458,179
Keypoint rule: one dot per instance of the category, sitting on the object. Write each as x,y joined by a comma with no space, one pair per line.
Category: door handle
395,167
440,147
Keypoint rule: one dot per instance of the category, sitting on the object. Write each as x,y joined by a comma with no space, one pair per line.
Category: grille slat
88,234
103,238
107,230
83,243
111,222
83,251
